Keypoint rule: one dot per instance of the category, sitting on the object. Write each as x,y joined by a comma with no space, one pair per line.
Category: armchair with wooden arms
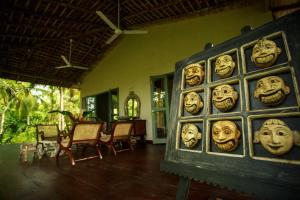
81,133
46,132
46,136
121,132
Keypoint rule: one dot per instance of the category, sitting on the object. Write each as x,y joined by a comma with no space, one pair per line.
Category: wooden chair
46,132
81,133
121,131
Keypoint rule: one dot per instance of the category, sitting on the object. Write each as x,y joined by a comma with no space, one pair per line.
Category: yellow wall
129,64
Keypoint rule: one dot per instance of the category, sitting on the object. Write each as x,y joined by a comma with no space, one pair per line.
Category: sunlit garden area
24,105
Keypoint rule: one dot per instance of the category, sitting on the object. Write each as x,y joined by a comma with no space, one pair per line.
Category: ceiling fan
117,29
68,62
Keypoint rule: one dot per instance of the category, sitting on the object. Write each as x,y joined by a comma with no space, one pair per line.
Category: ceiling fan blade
106,20
65,60
135,31
62,67
80,67
112,38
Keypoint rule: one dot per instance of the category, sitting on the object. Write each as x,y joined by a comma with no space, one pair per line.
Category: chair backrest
48,131
122,129
86,131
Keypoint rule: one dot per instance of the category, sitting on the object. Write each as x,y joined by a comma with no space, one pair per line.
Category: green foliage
24,105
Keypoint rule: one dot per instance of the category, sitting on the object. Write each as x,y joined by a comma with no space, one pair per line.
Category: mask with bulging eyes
225,135
224,97
224,66
265,53
192,102
276,137
190,135
194,74
271,90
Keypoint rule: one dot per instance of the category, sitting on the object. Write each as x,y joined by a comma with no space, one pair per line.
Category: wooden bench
120,133
82,133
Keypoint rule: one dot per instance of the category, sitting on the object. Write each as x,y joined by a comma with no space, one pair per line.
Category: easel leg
183,188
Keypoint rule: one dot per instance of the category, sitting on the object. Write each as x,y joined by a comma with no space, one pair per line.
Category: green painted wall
129,64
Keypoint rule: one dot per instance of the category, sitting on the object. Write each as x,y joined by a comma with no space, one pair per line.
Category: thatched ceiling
35,33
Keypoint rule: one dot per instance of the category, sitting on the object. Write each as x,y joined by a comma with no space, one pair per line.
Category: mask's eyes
226,59
274,81
215,93
256,50
269,46
216,131
259,84
281,133
227,130
265,133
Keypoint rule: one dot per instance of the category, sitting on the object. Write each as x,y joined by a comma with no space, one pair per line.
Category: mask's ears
201,104
286,90
278,50
256,95
238,134
256,137
235,95
296,138
252,59
233,63
199,136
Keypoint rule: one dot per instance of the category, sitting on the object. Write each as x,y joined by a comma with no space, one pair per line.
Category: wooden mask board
250,167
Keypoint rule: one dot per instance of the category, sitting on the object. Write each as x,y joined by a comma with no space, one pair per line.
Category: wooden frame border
178,134
270,36
250,138
208,140
198,86
210,71
271,72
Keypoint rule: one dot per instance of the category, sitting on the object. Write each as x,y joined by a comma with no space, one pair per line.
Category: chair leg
113,148
70,155
99,151
130,145
57,153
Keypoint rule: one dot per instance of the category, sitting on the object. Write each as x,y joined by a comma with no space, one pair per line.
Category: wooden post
61,102
183,188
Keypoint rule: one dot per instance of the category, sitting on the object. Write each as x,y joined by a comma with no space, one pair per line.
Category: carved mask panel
225,135
265,53
224,97
224,66
275,136
192,102
194,74
190,135
271,90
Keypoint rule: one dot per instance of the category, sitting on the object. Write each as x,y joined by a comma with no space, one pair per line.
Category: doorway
105,106
161,92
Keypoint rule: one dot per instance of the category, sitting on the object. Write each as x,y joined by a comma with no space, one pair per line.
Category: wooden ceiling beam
35,76
161,7
43,17
35,27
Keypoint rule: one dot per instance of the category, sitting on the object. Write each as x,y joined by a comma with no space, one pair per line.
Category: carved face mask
225,135
190,135
194,74
271,90
192,102
265,53
224,97
275,136
224,66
